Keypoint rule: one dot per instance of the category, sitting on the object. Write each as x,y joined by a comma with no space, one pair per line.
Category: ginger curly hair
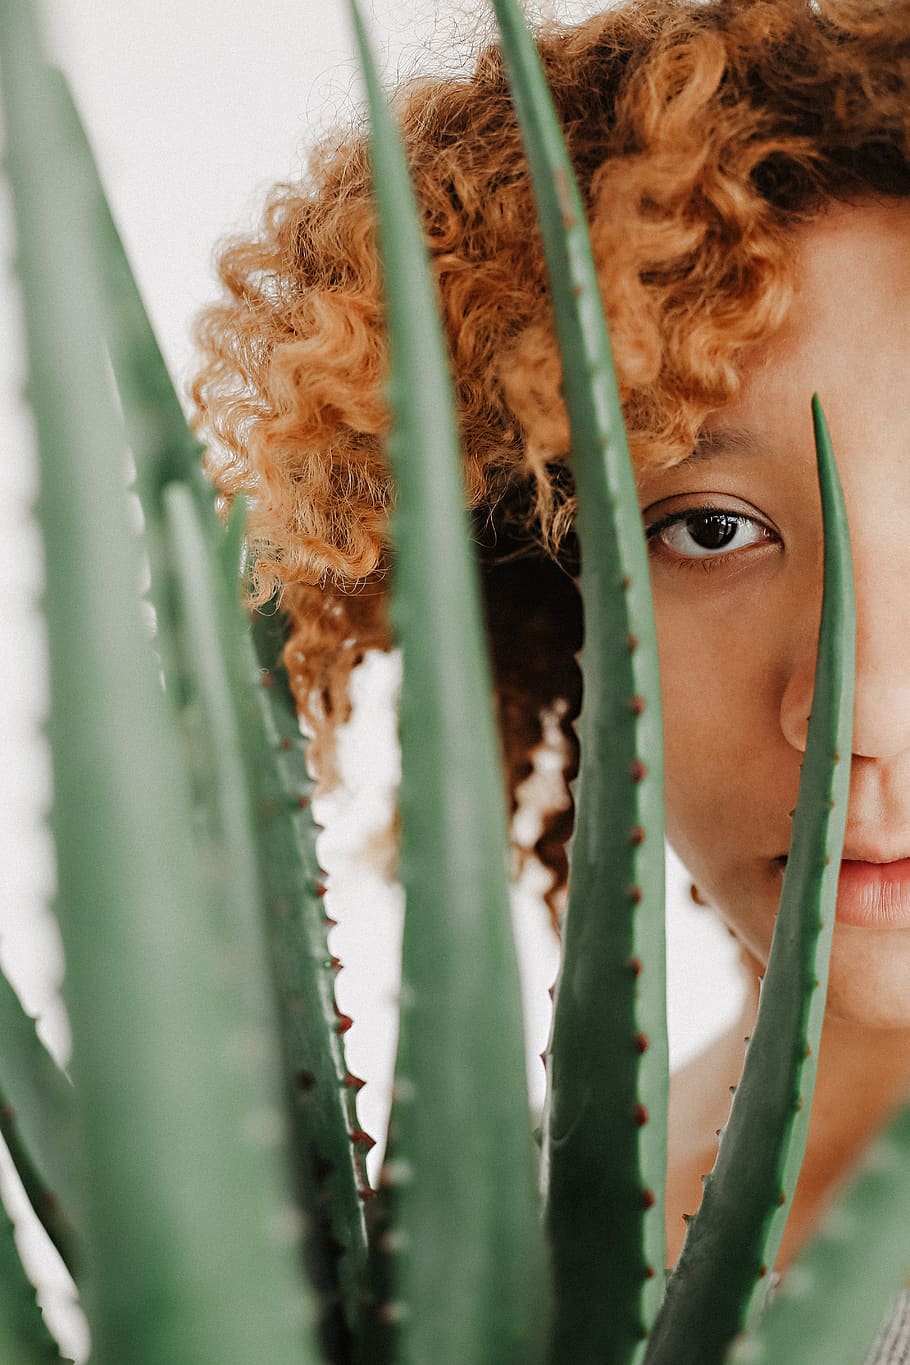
702,132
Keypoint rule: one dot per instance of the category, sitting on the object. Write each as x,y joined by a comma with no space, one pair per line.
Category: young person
746,172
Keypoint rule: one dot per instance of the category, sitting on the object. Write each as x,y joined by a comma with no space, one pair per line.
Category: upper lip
854,855
861,855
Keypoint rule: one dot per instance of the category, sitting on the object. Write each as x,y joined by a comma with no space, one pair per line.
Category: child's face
738,604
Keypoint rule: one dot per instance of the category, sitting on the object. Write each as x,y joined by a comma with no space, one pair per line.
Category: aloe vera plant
605,1146
476,1197
204,1174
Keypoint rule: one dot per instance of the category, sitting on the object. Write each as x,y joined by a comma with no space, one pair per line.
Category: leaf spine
390,1314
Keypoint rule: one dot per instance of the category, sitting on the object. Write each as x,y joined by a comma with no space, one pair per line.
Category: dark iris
712,530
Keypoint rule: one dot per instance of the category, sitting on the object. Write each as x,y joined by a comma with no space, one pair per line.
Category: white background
194,111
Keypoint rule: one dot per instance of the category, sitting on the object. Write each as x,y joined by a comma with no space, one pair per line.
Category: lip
873,895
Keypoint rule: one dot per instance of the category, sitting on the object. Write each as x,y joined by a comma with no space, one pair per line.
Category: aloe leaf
832,1299
718,1285
24,1337
37,1119
231,552
162,445
164,448
606,1111
253,842
460,1175
324,1118
45,1203
186,1221
329,1166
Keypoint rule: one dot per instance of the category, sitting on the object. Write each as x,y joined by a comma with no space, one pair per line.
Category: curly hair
702,132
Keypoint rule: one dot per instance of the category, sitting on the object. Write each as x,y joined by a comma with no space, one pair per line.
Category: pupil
712,530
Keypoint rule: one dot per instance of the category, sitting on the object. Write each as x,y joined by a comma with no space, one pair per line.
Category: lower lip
874,895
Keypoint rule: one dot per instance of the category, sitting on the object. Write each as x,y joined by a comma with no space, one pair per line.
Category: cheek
711,701
729,771
701,721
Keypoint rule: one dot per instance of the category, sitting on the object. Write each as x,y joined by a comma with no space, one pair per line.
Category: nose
881,711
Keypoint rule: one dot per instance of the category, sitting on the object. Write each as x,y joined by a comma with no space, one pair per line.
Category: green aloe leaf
248,813
24,1337
45,1203
162,445
719,1283
37,1119
187,1222
606,1114
833,1298
330,1145
164,448
460,1185
329,1155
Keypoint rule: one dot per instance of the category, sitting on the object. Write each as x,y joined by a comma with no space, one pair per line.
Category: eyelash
709,562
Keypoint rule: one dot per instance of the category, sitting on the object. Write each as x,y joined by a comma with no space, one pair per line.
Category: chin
869,977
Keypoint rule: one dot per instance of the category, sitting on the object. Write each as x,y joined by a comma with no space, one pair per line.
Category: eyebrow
710,444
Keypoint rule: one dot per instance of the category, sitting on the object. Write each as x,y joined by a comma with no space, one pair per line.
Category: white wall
194,110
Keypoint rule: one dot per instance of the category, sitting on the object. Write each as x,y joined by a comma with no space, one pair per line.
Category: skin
737,653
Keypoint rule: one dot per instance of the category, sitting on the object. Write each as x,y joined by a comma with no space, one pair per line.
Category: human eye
705,537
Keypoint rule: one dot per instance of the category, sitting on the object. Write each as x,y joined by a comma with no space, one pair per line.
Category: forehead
847,329
852,267
846,336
